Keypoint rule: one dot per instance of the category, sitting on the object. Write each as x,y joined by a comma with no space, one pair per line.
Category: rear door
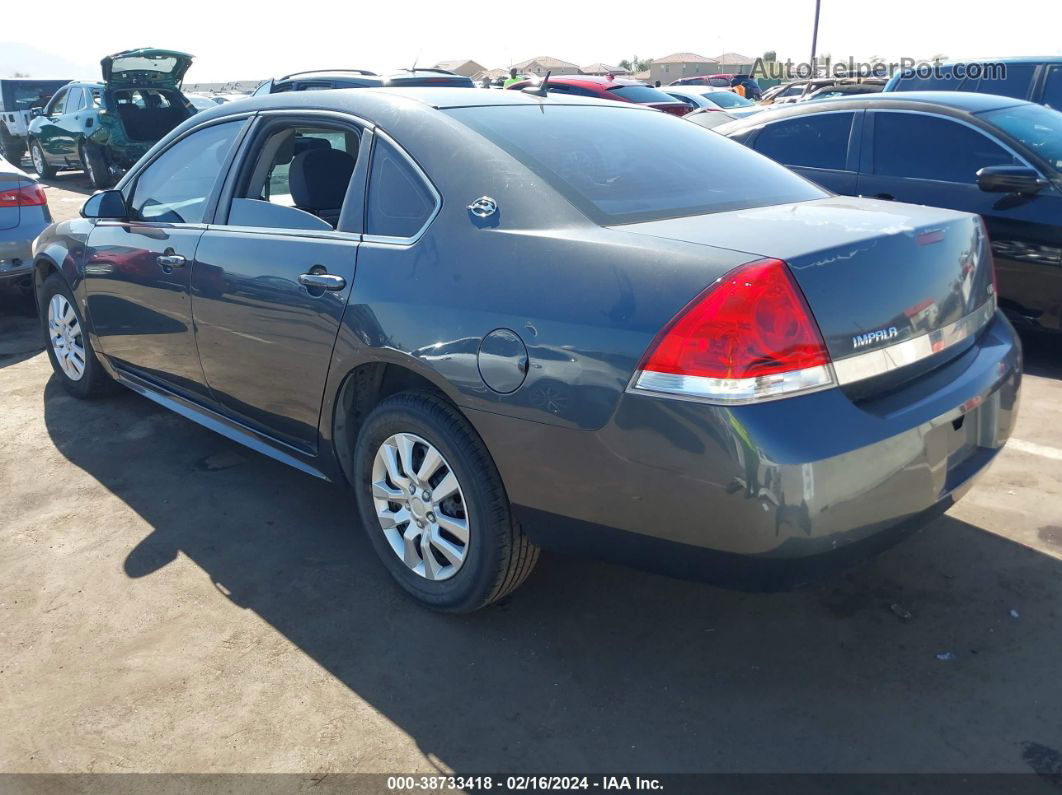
1051,94
926,159
273,273
137,270
820,146
69,125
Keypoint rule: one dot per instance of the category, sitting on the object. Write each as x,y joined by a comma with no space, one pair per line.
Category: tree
626,64
20,74
770,55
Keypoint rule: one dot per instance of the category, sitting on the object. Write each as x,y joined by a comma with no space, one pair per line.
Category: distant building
644,76
492,74
681,64
735,63
465,67
231,87
544,63
603,69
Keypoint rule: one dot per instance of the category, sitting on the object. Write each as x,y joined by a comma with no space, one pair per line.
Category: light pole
815,37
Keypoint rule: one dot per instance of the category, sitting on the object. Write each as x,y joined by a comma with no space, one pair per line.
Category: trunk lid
874,273
146,66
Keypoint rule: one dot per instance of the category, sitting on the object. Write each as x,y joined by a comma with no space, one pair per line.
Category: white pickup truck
17,96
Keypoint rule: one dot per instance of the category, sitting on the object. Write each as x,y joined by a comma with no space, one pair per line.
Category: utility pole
815,37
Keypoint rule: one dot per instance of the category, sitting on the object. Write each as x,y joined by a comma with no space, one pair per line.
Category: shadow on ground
20,334
1043,354
591,667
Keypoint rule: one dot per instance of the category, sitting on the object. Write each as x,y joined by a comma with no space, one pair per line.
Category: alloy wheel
38,158
420,506
64,333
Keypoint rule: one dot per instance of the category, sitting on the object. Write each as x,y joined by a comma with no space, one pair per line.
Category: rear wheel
95,163
69,348
12,148
434,506
40,165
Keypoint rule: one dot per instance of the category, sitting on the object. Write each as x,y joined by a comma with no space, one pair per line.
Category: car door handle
171,261
322,281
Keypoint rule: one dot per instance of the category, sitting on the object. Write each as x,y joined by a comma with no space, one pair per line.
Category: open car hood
146,66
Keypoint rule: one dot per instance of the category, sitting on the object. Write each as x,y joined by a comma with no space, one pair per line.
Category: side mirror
36,111
105,204
1010,179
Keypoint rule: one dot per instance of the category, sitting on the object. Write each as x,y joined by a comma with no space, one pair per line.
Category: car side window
175,187
76,101
58,103
1015,84
919,146
399,203
1053,88
298,178
816,141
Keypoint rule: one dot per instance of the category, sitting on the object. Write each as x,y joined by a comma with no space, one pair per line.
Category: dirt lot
171,602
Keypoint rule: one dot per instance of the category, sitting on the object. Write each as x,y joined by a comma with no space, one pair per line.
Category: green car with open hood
104,128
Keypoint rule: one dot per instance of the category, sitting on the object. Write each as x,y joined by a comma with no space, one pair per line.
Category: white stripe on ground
1035,449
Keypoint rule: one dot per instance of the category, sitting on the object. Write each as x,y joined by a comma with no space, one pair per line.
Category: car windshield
1039,128
615,171
641,94
728,99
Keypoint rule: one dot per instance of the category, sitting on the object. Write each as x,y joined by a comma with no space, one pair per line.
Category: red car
620,89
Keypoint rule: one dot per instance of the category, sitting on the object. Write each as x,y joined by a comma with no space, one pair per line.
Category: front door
925,159
49,133
137,270
272,277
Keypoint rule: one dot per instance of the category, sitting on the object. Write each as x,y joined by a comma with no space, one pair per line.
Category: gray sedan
508,321
23,215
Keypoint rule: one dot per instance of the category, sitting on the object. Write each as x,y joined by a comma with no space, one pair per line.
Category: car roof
601,80
955,101
1009,59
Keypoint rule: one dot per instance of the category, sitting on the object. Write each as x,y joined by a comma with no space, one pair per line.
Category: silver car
24,214
714,99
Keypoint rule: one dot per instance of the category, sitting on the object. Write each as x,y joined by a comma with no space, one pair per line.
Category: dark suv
1033,79
748,82
323,79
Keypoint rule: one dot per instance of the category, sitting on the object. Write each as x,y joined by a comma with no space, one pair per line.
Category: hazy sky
238,40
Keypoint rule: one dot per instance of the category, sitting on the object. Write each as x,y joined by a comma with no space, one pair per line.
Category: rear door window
1007,80
174,188
400,202
816,141
920,146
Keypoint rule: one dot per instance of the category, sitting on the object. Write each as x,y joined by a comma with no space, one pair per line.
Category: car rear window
641,94
728,99
615,171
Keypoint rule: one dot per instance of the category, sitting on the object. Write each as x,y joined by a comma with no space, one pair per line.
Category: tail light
748,337
31,195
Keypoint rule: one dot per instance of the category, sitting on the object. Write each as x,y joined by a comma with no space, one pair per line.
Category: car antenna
541,89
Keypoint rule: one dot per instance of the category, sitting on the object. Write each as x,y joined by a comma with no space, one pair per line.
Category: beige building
544,63
681,64
603,69
462,67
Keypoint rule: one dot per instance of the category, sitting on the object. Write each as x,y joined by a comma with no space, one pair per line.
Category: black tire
94,382
96,168
499,555
45,171
12,148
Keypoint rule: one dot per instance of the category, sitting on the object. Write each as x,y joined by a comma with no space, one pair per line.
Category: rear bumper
16,248
766,495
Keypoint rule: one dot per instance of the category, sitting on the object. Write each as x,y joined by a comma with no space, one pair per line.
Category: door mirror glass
37,111
105,204
1010,179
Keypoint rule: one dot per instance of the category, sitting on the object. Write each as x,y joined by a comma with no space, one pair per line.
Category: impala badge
872,337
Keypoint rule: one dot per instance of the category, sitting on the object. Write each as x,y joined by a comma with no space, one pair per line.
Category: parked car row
998,157
537,318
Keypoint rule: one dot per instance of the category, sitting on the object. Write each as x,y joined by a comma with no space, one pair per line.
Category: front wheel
434,505
40,165
99,173
69,348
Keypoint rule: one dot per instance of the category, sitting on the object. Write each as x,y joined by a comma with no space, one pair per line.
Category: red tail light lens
750,336
31,195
